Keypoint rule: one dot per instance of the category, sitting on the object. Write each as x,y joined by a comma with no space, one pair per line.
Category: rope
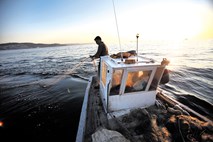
180,131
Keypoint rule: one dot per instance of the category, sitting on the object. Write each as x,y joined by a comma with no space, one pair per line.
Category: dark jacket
102,50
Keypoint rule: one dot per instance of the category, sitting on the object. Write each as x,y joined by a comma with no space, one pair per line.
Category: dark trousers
99,68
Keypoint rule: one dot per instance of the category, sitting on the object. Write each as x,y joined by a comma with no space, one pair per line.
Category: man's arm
98,53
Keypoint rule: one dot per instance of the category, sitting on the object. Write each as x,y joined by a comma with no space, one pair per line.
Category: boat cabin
131,83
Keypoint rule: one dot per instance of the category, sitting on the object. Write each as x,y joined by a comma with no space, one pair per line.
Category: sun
173,21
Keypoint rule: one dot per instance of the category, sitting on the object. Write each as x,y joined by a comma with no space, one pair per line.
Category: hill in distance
26,45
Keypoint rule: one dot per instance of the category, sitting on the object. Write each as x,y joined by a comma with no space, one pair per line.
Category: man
102,51
102,48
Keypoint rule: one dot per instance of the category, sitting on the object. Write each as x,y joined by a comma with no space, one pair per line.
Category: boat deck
96,116
165,121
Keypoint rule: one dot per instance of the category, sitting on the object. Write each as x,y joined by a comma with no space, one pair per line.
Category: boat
129,106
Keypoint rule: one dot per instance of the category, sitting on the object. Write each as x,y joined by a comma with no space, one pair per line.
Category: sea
42,89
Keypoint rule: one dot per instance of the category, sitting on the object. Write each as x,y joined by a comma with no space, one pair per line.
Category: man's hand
92,57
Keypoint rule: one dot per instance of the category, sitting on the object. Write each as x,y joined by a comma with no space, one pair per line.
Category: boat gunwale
83,116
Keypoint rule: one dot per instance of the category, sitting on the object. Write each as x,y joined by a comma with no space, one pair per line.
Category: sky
79,21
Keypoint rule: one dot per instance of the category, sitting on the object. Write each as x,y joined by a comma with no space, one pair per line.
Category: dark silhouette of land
26,45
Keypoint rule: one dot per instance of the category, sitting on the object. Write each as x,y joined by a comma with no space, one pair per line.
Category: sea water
42,89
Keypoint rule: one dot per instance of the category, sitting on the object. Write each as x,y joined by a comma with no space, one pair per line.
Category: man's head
97,39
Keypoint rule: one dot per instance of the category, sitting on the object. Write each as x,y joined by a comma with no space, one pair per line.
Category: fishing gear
68,72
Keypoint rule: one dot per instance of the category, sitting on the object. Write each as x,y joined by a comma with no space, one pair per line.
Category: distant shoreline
28,45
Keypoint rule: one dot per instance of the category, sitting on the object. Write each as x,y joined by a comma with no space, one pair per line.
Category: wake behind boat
129,106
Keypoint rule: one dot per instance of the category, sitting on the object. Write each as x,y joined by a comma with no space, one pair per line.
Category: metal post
137,45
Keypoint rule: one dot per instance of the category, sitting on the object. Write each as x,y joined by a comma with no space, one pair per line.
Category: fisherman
102,51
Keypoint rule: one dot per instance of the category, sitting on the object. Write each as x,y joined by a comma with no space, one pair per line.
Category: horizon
41,43
123,43
141,42
67,22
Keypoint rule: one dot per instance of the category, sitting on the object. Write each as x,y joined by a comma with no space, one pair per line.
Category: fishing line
56,78
76,66
59,78
117,30
69,72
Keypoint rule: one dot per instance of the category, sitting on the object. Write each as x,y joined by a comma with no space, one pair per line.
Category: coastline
28,45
